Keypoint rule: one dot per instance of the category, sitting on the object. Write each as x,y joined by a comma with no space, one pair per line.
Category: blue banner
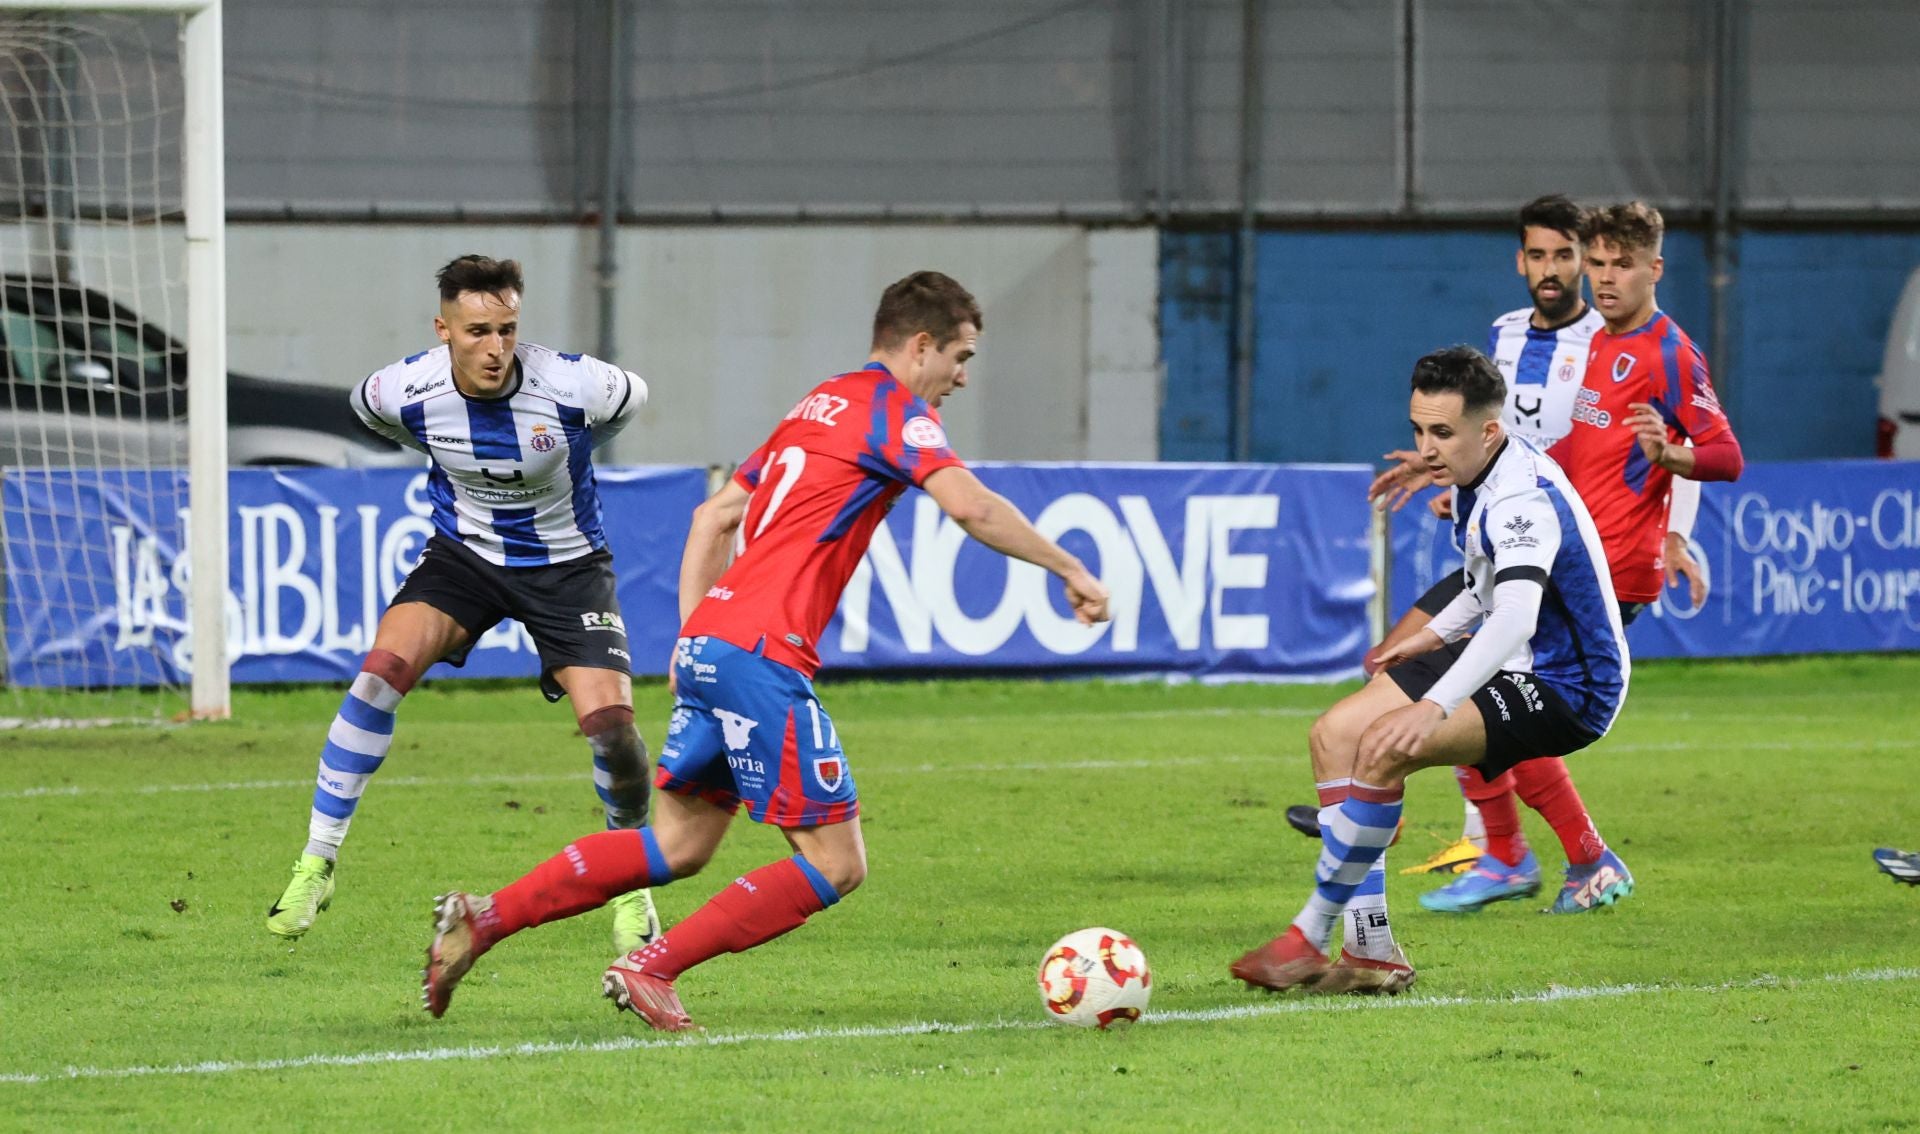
1802,557
96,579
1215,570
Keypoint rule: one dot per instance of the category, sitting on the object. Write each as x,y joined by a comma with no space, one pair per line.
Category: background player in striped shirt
748,729
1545,672
1542,351
509,428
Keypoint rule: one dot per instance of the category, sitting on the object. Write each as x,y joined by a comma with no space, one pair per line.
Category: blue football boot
1488,882
1599,883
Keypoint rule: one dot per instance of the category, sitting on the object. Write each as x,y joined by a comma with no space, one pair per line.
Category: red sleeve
1719,459
915,445
747,476
1689,403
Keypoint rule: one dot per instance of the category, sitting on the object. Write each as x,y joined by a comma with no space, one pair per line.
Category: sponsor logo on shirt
719,592
416,389
1586,408
1622,367
373,392
923,433
1519,525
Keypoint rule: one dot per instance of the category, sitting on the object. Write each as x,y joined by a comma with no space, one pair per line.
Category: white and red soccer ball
1095,978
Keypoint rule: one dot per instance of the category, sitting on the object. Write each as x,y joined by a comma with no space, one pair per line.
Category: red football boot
1364,976
647,996
1287,961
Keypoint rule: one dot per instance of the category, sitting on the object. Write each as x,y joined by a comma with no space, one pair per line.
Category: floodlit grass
1764,975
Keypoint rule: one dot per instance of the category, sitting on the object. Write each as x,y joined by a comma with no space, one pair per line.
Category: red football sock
775,899
1494,798
588,874
1546,787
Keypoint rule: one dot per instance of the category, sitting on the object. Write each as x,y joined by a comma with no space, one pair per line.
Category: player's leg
412,635
572,611
1298,956
1508,870
791,773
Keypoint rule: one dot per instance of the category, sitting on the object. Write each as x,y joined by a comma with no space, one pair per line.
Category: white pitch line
1555,994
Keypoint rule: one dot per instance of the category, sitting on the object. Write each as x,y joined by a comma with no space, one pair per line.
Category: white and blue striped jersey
512,476
1522,520
1543,370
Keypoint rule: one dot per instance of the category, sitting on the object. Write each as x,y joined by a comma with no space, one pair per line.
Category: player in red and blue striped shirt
747,726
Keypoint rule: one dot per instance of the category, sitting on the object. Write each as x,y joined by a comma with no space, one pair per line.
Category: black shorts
1441,593
1525,718
569,608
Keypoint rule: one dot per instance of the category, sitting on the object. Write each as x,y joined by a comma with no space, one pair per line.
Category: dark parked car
85,382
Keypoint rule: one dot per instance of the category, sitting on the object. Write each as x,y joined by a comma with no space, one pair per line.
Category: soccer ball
1094,978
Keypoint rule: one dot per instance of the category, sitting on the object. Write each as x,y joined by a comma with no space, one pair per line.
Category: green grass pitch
1764,976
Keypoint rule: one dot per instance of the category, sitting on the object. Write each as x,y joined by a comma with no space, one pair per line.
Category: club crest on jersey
923,433
829,770
542,441
1622,367
1567,372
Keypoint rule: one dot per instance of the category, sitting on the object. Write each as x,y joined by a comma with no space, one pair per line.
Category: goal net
102,332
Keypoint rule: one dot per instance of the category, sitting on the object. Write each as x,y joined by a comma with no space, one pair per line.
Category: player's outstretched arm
993,520
710,544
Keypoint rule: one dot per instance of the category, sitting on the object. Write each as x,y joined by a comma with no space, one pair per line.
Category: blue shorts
749,730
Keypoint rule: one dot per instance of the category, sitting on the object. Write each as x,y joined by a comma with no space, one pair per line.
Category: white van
1899,379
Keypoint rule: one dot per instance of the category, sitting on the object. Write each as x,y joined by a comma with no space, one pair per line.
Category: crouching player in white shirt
1544,674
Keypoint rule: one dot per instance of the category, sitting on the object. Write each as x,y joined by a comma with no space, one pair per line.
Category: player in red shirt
747,727
1645,376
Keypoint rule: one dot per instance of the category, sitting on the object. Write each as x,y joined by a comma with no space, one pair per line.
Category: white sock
1369,934
1475,828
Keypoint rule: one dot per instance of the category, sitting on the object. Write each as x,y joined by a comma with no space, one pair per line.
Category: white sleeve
1525,532
1457,617
370,407
1516,611
615,397
1683,504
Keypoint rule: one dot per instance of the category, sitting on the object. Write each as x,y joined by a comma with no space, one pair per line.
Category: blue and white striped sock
356,745
1353,837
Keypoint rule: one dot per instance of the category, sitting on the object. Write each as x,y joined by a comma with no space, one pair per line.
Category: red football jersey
1624,491
820,484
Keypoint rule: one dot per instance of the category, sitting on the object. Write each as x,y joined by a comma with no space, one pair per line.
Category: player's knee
1377,763
1329,739
620,751
686,861
845,871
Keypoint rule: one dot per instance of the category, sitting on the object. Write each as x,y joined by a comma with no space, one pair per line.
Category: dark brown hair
1553,211
1635,226
478,273
924,301
1465,371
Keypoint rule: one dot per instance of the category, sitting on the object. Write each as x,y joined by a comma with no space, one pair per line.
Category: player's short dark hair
483,274
924,301
1635,226
1465,371
1552,211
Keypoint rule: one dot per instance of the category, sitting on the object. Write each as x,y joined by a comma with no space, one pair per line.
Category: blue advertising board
96,580
1802,557
1216,571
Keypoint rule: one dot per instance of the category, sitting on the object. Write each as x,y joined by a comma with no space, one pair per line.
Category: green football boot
635,925
310,892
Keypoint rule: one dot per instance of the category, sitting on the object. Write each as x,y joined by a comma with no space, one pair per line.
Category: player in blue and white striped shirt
510,429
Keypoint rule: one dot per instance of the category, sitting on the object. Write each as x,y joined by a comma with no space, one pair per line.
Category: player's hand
1650,429
1682,565
1441,506
1405,729
1389,654
1391,490
1088,596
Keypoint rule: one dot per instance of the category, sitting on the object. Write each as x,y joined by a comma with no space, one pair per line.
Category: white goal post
204,206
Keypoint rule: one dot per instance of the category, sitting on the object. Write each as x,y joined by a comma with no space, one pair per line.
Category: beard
1558,308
